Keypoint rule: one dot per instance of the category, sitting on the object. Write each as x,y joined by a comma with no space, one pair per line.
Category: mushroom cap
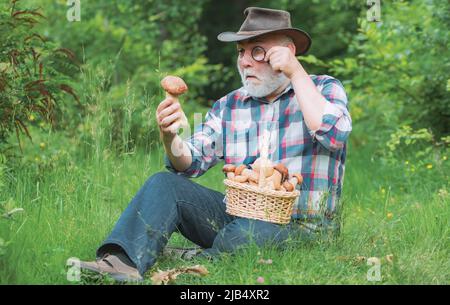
174,85
228,168
283,170
299,177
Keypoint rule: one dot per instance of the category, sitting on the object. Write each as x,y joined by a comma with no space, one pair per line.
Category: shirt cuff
189,172
331,114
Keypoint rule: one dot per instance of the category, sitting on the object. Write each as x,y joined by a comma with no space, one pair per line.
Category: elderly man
309,122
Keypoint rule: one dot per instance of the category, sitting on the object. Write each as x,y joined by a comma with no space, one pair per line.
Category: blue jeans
169,203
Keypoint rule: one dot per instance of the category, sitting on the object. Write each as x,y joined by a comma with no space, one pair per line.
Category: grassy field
71,208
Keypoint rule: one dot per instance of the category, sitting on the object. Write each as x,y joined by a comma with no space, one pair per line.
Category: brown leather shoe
114,267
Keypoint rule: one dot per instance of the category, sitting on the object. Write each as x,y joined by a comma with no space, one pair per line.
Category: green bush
31,83
398,72
417,153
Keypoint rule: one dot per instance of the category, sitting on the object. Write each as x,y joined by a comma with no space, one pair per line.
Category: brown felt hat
261,21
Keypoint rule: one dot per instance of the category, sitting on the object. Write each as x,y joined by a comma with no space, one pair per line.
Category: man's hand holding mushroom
170,118
169,114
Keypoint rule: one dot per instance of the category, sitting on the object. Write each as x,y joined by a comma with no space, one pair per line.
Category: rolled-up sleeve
205,145
336,121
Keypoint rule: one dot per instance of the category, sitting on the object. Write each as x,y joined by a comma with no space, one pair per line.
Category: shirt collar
246,96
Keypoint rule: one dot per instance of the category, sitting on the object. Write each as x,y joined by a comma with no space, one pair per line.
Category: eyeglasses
258,53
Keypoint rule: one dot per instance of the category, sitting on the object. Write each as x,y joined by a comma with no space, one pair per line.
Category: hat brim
301,39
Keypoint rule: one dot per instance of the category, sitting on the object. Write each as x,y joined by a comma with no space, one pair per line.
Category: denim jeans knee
243,232
164,180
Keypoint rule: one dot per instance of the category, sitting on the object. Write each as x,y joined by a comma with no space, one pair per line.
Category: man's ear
292,47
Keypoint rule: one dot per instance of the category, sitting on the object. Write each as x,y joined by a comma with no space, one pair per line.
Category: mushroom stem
276,178
288,186
264,168
240,169
252,183
252,175
296,179
240,178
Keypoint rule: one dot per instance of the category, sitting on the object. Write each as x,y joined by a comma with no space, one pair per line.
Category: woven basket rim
266,192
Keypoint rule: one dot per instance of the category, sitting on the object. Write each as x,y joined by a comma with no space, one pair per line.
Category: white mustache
248,73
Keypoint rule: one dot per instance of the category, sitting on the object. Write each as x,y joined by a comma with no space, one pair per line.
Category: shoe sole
116,276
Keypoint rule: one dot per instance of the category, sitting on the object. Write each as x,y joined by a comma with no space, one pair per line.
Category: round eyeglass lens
258,53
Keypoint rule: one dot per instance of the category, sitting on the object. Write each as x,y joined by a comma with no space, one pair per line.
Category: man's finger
276,68
167,102
271,51
275,58
268,54
173,128
169,110
170,119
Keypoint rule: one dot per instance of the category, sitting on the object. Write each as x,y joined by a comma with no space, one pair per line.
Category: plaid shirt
233,129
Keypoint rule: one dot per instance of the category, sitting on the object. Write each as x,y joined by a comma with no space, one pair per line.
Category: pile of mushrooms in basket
264,175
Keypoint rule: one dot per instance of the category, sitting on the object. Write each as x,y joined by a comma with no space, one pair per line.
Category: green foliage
30,81
398,73
126,48
416,153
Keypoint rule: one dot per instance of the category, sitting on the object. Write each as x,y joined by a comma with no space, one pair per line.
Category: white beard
270,82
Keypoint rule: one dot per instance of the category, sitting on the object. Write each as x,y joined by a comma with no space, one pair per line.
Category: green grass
70,208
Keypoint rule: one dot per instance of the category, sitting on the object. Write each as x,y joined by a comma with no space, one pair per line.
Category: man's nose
246,60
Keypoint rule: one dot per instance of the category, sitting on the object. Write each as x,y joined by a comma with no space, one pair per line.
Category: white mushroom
289,187
296,179
266,166
275,179
240,178
229,169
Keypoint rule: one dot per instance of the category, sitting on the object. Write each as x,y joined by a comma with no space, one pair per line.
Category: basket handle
264,158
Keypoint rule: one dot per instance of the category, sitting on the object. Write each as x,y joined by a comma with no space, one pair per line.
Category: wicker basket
245,200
